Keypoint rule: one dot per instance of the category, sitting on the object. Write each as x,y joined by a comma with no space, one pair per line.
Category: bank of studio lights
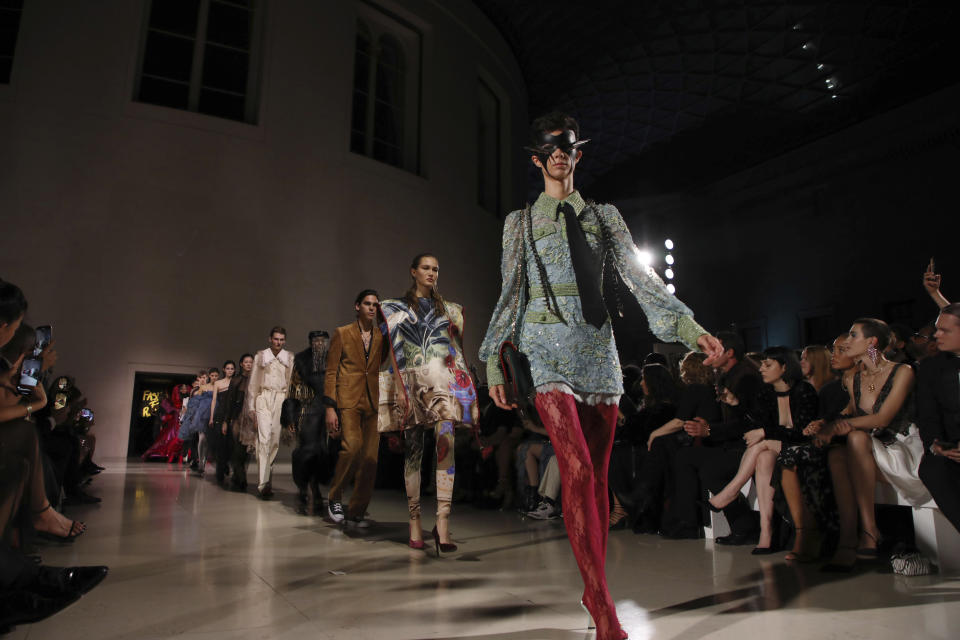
646,258
668,272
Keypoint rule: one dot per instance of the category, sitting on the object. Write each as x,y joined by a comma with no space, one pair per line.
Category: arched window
385,111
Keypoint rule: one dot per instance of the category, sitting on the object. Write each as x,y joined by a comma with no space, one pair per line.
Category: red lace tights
582,437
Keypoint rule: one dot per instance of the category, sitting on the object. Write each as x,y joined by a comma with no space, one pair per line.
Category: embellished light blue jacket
566,349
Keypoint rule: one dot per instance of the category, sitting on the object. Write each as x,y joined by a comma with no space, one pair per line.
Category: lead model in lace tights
545,294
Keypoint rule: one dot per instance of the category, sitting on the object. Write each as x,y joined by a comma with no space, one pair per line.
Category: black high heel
446,547
706,504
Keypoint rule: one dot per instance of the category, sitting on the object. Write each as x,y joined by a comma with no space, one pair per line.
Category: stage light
668,243
834,96
669,259
671,288
644,257
820,66
808,46
668,273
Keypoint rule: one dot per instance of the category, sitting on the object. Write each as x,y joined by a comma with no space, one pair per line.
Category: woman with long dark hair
787,405
429,388
658,406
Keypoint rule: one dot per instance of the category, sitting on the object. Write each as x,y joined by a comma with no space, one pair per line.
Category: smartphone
86,414
59,401
44,337
29,376
946,446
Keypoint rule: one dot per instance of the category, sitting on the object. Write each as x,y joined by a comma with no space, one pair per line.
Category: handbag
518,379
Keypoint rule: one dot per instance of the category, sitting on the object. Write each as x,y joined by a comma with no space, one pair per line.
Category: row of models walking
399,366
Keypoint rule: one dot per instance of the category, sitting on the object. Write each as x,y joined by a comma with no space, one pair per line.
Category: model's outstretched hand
710,346
499,396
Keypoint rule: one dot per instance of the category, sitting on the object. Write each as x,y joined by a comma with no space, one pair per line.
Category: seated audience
815,364
657,407
869,434
532,456
938,415
697,399
712,465
896,351
785,406
31,591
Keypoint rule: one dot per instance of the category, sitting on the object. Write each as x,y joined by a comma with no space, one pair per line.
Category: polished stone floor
191,561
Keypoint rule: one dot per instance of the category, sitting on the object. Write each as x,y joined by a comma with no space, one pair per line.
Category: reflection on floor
189,560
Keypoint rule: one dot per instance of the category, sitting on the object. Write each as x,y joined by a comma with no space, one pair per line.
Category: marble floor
191,561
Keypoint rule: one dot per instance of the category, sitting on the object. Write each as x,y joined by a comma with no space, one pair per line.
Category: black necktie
586,268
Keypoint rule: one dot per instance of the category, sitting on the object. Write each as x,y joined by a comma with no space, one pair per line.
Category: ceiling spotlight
671,288
807,46
797,27
669,259
644,257
668,243
820,66
834,96
668,273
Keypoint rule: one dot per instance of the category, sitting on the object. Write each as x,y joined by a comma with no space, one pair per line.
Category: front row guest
698,399
938,412
879,407
306,388
786,406
352,386
712,465
815,363
266,391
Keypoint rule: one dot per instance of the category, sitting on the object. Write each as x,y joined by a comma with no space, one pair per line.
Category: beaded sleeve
507,320
669,319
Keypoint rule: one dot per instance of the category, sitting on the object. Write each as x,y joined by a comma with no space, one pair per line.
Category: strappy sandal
867,553
76,529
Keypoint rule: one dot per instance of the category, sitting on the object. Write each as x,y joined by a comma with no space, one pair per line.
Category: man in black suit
938,415
713,464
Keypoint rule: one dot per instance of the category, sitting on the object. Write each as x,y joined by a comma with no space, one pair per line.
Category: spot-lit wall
155,239
840,228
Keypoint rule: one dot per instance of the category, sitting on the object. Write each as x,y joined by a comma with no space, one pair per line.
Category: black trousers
942,477
63,448
698,469
311,462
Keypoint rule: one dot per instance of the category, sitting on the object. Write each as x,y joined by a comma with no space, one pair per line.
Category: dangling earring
874,354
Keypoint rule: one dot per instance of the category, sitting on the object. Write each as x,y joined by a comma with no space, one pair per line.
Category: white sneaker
335,511
544,511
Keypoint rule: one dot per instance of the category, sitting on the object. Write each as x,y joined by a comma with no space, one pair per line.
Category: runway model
352,387
555,250
434,387
266,391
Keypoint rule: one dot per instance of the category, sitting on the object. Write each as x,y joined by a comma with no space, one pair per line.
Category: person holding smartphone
938,415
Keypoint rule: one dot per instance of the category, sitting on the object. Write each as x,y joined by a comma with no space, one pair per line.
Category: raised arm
931,282
669,319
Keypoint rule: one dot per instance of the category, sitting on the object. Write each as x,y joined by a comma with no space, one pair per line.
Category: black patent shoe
737,539
57,581
26,607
